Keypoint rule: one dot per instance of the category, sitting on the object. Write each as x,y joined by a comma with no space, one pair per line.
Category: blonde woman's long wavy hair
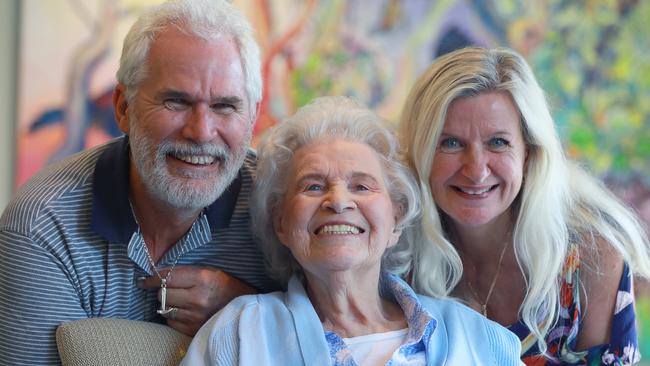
558,201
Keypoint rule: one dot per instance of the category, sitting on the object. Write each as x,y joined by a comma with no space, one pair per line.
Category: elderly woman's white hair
558,203
209,20
327,118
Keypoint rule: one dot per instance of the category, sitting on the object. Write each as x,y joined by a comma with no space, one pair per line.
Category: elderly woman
509,224
331,201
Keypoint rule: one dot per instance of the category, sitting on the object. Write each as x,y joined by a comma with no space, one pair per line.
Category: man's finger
172,313
148,282
178,297
184,276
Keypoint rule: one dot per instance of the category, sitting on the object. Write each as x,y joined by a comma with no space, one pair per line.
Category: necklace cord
163,280
484,304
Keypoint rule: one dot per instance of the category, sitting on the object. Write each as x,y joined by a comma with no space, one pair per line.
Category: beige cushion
107,341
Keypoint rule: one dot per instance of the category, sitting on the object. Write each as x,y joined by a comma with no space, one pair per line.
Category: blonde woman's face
480,157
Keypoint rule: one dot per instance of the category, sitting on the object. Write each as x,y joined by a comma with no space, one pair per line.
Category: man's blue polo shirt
70,249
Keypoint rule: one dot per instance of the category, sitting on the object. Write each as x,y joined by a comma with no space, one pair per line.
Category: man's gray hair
209,20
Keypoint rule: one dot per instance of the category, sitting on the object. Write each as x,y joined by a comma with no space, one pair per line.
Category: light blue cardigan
282,328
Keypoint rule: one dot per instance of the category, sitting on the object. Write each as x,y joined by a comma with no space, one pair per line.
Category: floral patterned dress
561,339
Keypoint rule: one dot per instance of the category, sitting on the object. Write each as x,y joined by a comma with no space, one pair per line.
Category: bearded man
153,225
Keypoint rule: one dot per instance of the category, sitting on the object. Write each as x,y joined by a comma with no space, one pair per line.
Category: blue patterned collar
420,322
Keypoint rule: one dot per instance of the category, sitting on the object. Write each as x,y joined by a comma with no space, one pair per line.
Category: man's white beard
192,191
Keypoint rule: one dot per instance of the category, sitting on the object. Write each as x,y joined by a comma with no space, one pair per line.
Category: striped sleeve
36,295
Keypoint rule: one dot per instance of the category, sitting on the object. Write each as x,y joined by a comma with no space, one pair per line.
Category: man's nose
201,125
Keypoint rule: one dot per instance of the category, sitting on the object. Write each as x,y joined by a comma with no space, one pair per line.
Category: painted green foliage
594,64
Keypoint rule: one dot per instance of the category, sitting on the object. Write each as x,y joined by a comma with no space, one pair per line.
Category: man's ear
256,116
121,108
258,108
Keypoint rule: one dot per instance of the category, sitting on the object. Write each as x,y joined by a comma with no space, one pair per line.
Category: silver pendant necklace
164,310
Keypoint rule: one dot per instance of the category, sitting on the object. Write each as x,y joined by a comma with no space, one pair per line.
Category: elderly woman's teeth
338,230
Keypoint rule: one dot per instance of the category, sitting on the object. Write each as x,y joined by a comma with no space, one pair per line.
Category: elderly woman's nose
339,199
476,165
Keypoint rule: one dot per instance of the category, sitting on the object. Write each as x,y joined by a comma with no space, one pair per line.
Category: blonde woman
509,225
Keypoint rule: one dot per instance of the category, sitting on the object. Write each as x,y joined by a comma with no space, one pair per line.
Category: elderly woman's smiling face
337,214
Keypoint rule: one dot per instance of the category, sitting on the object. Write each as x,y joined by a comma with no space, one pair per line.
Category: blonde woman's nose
476,165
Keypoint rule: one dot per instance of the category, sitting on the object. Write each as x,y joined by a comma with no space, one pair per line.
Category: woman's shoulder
243,312
447,307
276,298
601,276
249,330
454,313
471,330
247,303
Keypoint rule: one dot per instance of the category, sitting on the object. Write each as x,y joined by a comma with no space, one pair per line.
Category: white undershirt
375,349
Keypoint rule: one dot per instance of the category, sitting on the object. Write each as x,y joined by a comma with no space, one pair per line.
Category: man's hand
197,293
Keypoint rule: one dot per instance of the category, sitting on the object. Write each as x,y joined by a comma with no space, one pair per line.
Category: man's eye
498,143
175,104
223,108
449,144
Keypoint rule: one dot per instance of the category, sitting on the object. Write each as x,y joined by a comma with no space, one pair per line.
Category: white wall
8,100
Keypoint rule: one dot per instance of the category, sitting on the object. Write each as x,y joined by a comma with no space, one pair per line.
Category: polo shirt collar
112,217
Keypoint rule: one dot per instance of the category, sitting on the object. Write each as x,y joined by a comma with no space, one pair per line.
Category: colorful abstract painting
592,57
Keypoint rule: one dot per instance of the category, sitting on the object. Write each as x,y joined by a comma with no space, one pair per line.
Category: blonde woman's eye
450,144
499,143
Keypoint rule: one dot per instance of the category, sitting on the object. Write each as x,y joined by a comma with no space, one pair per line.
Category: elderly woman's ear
277,227
398,212
394,237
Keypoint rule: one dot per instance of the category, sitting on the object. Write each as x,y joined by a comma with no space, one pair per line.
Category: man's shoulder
250,163
66,182
247,173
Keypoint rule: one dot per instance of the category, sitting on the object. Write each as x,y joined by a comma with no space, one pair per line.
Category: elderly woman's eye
314,187
449,144
361,187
